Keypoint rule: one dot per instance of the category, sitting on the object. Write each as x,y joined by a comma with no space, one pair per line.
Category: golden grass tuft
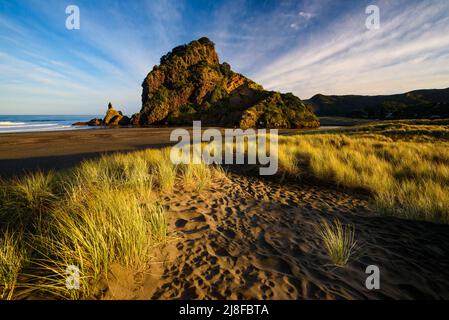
91,231
197,176
24,200
338,240
12,256
161,167
158,222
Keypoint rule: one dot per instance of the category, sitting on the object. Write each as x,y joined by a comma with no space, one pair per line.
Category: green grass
157,219
161,167
197,177
338,240
402,130
110,210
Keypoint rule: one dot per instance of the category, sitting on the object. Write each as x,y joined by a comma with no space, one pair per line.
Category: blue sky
305,47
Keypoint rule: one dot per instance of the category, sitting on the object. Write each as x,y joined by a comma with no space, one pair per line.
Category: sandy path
253,239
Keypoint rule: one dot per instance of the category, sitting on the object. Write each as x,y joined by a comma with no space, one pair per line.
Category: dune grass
197,177
405,178
110,210
12,256
100,213
161,167
339,241
92,230
24,199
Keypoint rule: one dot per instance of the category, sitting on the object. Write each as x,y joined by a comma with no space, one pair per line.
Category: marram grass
12,255
109,210
24,200
339,241
406,178
102,212
96,229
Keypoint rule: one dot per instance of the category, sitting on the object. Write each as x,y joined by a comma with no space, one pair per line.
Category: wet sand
22,152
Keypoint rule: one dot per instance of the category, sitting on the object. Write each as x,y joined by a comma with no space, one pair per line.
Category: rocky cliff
191,84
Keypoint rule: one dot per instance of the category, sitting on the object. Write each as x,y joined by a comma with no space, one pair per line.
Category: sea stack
115,118
191,84
112,118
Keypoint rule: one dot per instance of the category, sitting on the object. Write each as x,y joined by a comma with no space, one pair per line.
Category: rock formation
112,118
191,84
95,122
115,118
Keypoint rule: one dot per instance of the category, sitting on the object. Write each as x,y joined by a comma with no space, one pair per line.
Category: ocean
33,123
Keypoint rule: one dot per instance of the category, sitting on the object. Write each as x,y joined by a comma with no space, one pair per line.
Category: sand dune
253,239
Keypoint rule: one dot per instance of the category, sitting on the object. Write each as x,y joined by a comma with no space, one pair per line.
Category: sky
304,46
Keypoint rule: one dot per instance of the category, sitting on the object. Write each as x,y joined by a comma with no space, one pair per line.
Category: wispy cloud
304,46
302,20
306,15
408,52
106,60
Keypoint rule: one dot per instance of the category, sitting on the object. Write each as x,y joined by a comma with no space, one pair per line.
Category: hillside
432,103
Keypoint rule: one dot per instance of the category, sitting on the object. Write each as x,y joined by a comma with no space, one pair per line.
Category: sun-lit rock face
114,117
191,84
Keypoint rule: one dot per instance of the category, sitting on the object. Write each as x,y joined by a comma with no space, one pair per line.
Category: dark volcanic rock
135,119
91,123
124,121
95,122
112,118
191,84
79,124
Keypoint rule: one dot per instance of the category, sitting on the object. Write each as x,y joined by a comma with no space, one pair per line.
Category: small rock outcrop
112,118
115,118
95,122
91,123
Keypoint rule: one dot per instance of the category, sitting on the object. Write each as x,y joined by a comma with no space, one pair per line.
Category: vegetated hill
415,104
191,84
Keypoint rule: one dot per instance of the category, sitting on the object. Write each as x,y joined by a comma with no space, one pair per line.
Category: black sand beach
24,152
